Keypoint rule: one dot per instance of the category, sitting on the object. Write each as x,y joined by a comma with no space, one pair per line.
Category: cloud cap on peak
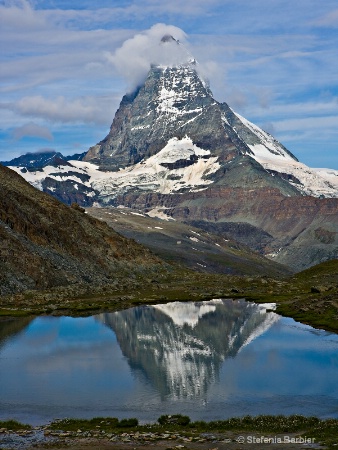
137,55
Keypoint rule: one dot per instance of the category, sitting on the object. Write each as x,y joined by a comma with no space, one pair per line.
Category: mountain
54,173
39,160
171,136
174,151
44,243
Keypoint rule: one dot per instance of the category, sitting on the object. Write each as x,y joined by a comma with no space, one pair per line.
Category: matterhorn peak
169,38
173,53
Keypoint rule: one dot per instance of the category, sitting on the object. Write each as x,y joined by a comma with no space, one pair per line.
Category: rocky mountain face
171,136
174,151
44,243
31,161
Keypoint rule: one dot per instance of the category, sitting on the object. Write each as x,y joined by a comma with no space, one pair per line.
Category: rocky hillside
188,246
44,243
297,231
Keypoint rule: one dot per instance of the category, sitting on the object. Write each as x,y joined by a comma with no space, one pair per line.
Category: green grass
103,423
14,425
5,312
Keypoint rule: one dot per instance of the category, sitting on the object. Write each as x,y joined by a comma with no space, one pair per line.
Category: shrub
126,423
176,419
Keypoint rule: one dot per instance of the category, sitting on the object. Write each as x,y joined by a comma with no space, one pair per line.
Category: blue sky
65,66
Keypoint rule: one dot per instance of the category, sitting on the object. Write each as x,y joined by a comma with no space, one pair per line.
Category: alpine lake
209,360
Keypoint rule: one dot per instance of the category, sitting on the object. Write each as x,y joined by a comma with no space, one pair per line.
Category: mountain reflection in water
180,347
188,358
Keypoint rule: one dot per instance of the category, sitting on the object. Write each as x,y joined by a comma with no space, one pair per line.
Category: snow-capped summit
175,105
171,136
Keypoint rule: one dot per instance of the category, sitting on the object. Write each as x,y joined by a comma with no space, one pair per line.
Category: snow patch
330,175
159,213
311,182
195,232
274,157
137,214
60,173
150,175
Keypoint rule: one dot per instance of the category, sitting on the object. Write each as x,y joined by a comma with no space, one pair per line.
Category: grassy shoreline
295,297
178,428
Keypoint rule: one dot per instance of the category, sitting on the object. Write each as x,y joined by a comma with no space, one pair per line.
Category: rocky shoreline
43,437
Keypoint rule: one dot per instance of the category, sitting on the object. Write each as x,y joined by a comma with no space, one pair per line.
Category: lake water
209,360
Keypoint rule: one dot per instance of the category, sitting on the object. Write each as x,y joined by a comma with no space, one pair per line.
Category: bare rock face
172,102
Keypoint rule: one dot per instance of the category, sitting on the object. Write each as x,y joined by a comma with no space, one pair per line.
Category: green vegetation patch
102,423
14,425
264,423
176,419
13,313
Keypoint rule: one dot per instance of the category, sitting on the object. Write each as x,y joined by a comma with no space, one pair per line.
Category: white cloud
60,109
314,124
135,57
32,129
104,14
186,8
39,51
21,15
318,108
